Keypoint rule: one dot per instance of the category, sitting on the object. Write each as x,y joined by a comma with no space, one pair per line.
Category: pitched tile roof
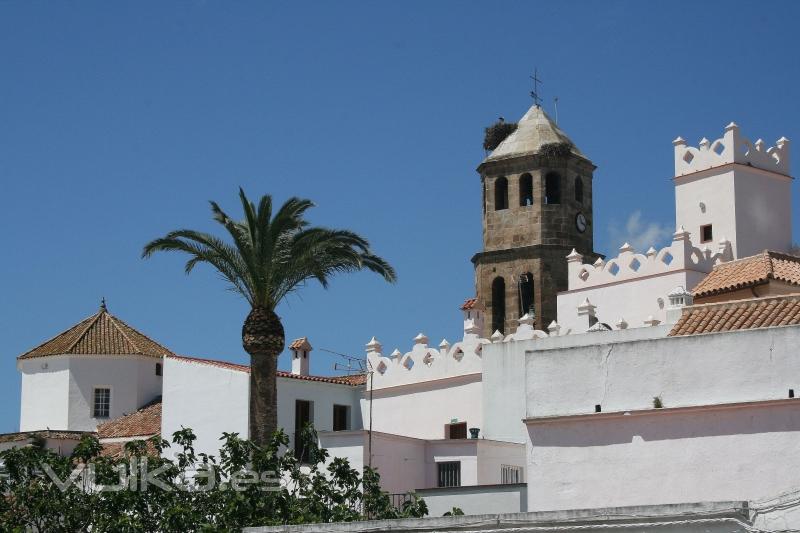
739,315
99,334
353,379
116,450
300,344
144,422
469,303
750,271
46,433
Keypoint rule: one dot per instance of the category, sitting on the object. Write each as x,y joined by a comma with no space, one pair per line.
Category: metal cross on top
535,92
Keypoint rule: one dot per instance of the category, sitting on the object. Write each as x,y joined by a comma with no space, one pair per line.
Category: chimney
301,350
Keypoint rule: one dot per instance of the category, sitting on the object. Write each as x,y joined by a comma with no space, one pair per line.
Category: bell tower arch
537,195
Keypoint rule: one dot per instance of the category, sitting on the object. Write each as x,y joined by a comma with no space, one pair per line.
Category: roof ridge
122,332
54,337
732,303
78,338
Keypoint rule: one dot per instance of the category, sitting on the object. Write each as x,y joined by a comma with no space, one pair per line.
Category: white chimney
301,350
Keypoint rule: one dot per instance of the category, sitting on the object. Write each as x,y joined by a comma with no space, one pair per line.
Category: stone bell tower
537,207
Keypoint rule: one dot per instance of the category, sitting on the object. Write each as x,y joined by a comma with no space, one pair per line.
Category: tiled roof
301,343
116,450
739,315
144,422
750,271
353,379
100,334
47,434
469,303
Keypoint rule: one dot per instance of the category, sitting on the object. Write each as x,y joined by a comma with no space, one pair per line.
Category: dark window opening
449,473
158,369
526,301
791,393
500,194
102,403
578,189
302,416
457,430
498,305
706,233
483,194
525,190
341,415
552,187
597,408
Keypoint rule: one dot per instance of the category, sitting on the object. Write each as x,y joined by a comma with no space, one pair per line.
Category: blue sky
119,121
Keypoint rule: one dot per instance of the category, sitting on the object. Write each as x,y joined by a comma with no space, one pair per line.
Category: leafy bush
143,491
497,133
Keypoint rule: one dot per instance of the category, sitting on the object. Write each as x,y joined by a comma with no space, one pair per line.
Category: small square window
102,403
706,233
449,473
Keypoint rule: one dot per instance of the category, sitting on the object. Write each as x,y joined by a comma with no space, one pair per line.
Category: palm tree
270,257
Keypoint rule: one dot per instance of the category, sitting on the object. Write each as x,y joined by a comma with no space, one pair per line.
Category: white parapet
731,148
629,265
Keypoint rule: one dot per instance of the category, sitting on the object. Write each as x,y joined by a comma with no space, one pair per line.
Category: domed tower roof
99,334
534,130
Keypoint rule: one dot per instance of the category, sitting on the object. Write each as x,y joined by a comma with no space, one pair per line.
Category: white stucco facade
211,397
58,391
726,413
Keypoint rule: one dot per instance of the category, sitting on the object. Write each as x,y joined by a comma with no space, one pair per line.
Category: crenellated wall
731,148
632,289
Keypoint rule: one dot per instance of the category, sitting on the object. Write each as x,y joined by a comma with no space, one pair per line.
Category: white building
667,382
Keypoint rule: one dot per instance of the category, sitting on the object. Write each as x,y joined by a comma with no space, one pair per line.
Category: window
456,430
706,233
525,293
449,473
525,190
158,369
102,403
552,187
510,474
500,194
498,305
341,417
302,416
578,189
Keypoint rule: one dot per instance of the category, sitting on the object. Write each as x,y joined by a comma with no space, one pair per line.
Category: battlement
731,148
629,265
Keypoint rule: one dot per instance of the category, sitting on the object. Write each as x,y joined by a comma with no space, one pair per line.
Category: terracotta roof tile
750,271
116,450
99,334
739,315
47,434
469,303
353,379
301,343
144,422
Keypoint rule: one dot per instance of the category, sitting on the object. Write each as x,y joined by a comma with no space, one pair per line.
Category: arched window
498,305
578,189
500,194
526,301
552,187
525,190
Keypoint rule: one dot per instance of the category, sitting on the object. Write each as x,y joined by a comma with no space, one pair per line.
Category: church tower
537,207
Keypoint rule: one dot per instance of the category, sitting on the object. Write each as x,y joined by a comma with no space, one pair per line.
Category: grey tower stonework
537,207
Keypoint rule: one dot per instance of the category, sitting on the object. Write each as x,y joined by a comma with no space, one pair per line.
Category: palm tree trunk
263,338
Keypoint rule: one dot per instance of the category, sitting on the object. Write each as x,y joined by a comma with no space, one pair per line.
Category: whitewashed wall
504,390
698,448
58,391
212,400
132,380
45,392
743,453
422,409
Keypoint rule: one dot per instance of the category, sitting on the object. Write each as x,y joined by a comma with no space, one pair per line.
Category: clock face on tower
580,222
